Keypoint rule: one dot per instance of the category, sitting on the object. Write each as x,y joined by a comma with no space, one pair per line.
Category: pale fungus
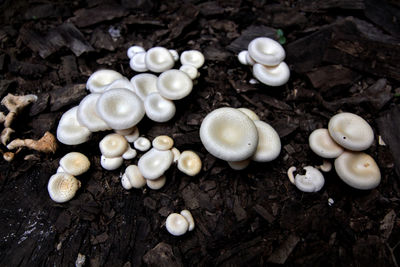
163,142
266,51
189,163
62,187
142,144
134,50
269,143
176,154
311,181
113,145
251,114
156,184
239,165
70,131
75,163
191,71
176,224
154,163
87,114
111,164
144,84
6,135
158,108
46,144
130,153
101,79
174,84
138,62
323,145
192,57
188,216
15,104
121,83
159,59
133,178
272,75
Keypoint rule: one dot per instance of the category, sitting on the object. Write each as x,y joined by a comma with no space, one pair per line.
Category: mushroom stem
290,174
326,166
46,144
15,104
5,135
9,119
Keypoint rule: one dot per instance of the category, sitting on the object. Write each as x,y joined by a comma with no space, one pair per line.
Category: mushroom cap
359,170
87,114
138,63
158,108
266,51
239,165
62,187
323,145
127,131
125,182
134,176
189,163
351,131
75,163
229,134
176,224
132,137
192,57
120,108
188,216
272,76
70,131
134,50
142,144
99,80
250,61
190,70
174,54
130,153
144,84
154,163
242,57
121,83
174,84
311,181
159,59
176,154
269,143
111,164
163,142
251,114
113,145
156,183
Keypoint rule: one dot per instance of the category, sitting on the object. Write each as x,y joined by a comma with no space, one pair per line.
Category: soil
343,56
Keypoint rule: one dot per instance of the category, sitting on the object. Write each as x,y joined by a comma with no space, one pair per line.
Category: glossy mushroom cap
176,224
311,181
62,187
120,108
269,143
156,184
229,134
87,114
351,131
190,71
188,216
75,163
121,83
154,163
113,145
163,142
359,170
142,144
134,50
158,108
323,145
134,177
189,163
144,84
272,76
251,114
174,84
192,57
130,153
70,131
138,62
99,80
159,59
111,164
266,51
242,57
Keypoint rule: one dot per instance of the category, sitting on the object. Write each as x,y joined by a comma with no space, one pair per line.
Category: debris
46,144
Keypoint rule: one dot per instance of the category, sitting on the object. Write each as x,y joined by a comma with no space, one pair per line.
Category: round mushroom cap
269,143
189,163
242,57
239,165
142,144
323,145
144,84
75,163
157,183
70,131
120,108
154,163
134,176
229,134
174,54
351,131
176,224
174,84
113,145
266,51
188,216
272,76
134,50
312,181
121,83
62,187
130,153
191,71
192,57
158,108
176,154
163,142
125,182
359,170
138,63
87,114
251,114
159,59
111,164
99,80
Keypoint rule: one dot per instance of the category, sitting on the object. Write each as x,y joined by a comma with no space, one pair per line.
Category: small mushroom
311,181
269,143
159,59
134,50
70,131
192,57
132,178
351,131
46,144
189,163
242,57
176,154
176,224
174,84
15,104
358,170
154,163
266,51
272,75
121,83
163,142
133,136
174,54
158,108
239,165
101,79
251,114
130,153
87,114
111,164
113,145
323,145
62,187
188,216
190,70
142,144
75,163
144,84
156,184
138,63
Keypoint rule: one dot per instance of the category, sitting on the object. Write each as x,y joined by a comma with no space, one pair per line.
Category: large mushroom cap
351,131
174,84
99,80
229,134
62,187
269,143
70,131
266,51
323,145
75,163
158,108
359,170
144,84
120,108
87,114
273,76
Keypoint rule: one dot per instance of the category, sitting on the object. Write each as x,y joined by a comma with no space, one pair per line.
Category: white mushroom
62,187
159,59
99,80
189,163
273,76
266,51
192,57
113,145
250,61
323,145
111,164
242,57
133,178
229,134
269,143
188,216
130,153
174,84
134,50
120,108
174,54
154,163
156,183
251,114
176,224
163,142
138,63
75,163
190,70
312,181
144,84
351,131
87,114
70,131
359,170
176,154
142,144
121,83
239,165
158,108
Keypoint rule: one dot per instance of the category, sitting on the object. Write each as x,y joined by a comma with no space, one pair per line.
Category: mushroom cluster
239,136
266,56
178,224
